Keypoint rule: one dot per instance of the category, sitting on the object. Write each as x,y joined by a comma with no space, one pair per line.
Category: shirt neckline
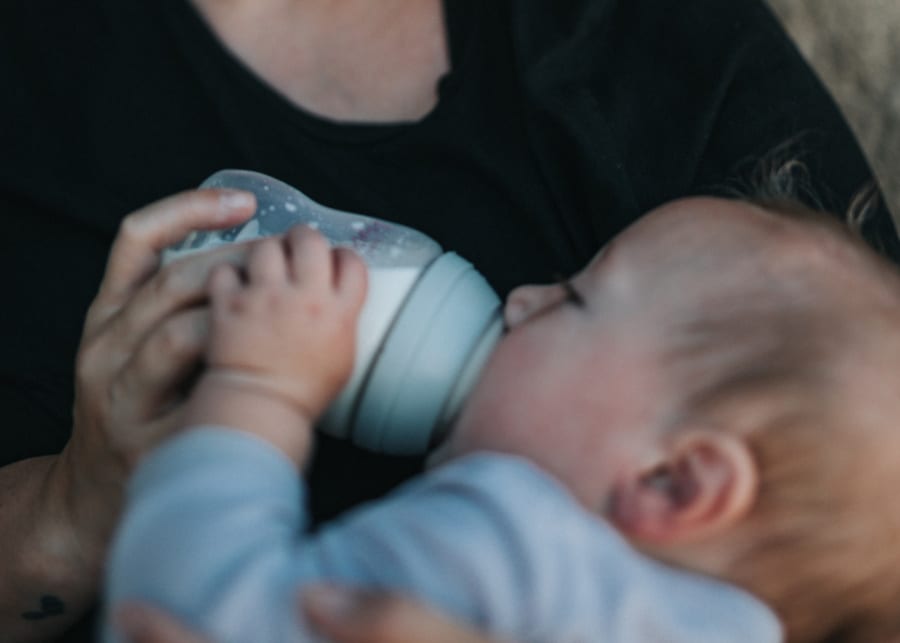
461,22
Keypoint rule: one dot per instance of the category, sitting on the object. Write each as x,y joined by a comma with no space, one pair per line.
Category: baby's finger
309,256
223,282
351,277
267,262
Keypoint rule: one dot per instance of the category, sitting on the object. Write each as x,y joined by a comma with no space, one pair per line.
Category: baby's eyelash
572,295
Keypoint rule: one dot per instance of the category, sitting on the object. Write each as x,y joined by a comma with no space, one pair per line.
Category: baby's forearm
222,399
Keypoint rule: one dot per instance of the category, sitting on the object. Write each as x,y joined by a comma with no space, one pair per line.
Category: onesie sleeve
207,536
494,541
215,534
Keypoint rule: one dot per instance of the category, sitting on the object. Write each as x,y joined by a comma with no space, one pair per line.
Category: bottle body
428,324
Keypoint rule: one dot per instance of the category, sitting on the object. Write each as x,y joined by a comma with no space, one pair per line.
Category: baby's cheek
502,423
507,401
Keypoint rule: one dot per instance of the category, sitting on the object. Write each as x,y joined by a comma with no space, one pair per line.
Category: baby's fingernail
332,602
235,200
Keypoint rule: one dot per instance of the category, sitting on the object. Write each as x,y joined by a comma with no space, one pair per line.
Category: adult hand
143,336
139,623
340,615
360,616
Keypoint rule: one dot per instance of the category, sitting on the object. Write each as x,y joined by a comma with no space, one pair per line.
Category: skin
344,616
555,345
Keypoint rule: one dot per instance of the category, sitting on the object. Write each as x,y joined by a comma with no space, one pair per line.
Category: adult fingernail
231,200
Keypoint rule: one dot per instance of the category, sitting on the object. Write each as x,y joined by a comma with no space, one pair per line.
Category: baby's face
578,386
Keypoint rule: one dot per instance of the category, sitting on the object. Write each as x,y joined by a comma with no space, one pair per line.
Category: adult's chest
348,62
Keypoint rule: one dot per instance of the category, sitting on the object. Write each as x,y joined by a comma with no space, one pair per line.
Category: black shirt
559,124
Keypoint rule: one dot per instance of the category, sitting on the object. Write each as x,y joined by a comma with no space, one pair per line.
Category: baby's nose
523,302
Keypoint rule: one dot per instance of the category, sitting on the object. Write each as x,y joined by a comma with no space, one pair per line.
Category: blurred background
854,45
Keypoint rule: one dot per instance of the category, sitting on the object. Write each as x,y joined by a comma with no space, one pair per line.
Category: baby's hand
287,327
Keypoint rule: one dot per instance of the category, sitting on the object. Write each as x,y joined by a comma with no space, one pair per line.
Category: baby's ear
702,484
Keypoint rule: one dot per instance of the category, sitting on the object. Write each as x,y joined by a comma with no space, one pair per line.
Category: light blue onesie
215,532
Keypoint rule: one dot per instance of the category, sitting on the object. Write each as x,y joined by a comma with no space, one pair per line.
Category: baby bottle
428,325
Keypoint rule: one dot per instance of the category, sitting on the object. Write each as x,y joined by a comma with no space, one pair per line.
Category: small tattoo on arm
50,606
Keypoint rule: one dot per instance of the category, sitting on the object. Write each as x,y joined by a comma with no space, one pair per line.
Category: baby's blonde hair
811,334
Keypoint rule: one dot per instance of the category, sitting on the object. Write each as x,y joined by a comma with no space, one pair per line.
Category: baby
690,440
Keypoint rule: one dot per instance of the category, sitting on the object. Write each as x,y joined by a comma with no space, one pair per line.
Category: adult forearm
50,571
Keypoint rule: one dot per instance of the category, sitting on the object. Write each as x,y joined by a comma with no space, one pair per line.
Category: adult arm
143,334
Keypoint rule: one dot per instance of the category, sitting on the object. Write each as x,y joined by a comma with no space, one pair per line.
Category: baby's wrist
259,405
262,384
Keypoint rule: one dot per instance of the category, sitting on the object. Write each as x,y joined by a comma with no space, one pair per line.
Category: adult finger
354,616
145,233
145,624
181,284
163,362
